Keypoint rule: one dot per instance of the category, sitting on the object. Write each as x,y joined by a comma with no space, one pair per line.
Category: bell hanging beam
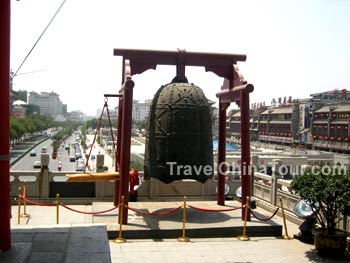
141,60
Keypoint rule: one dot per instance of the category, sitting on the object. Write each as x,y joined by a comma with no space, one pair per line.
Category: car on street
80,167
80,161
72,158
36,164
44,150
78,155
32,153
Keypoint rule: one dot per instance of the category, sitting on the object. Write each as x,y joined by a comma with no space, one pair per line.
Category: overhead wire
37,41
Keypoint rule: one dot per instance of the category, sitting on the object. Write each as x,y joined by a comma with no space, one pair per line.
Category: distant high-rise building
49,103
140,110
332,96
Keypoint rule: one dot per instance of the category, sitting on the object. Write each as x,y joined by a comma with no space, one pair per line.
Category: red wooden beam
113,95
142,60
233,95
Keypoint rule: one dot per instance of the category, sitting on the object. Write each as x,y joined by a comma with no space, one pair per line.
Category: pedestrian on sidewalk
134,182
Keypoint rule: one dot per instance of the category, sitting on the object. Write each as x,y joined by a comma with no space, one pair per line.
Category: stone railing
41,184
272,189
44,184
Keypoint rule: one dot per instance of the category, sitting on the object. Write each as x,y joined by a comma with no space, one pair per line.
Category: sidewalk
97,149
136,147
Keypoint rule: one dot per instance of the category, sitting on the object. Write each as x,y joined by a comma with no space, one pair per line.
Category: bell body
179,141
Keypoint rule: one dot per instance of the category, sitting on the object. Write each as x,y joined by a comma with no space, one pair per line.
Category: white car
80,167
44,150
37,164
80,161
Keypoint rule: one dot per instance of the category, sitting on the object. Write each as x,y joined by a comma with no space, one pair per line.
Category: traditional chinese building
330,127
279,124
233,124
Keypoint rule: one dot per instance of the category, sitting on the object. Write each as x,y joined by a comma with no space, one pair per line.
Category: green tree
17,129
29,125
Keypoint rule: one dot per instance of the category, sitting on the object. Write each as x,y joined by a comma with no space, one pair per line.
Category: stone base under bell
153,188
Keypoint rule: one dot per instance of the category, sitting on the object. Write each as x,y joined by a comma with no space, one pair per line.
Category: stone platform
199,224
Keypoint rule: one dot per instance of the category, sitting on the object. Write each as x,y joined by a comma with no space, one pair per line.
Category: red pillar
245,148
125,144
117,150
5,232
221,153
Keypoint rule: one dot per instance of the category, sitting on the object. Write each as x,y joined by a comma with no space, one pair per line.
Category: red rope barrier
264,219
214,210
35,203
155,214
88,213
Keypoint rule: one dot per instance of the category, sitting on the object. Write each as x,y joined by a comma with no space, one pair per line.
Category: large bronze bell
179,141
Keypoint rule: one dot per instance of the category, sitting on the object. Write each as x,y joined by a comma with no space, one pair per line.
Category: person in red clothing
134,183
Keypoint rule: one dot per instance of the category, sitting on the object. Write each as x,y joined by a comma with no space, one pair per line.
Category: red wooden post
5,231
221,153
125,145
117,151
245,148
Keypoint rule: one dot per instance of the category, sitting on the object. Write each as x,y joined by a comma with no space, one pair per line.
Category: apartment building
48,102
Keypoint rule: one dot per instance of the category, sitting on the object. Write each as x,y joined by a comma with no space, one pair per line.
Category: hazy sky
293,48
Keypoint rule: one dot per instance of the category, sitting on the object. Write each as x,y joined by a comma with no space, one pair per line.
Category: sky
294,48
